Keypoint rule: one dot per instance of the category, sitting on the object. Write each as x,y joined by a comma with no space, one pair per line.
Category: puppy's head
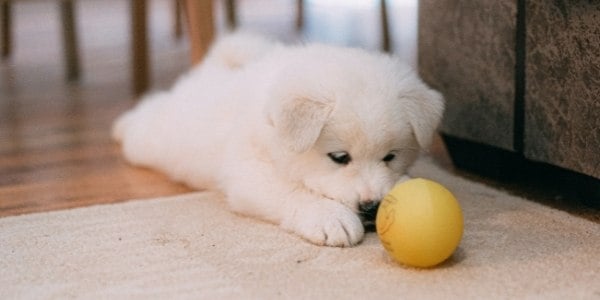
350,123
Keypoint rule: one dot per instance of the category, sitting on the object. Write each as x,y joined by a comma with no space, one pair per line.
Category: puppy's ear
425,112
298,121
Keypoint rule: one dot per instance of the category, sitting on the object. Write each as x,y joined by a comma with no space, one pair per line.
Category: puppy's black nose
369,207
368,210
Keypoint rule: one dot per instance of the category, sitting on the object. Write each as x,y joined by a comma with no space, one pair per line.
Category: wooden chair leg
299,14
385,29
139,46
70,40
177,19
231,13
6,30
201,27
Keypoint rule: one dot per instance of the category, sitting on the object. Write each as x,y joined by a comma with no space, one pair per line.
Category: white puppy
306,137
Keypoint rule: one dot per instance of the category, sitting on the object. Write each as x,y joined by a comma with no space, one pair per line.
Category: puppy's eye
340,157
389,157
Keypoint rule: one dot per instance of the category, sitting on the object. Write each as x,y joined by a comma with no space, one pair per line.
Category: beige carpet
191,247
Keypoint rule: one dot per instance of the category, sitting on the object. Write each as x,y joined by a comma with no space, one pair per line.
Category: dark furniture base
558,185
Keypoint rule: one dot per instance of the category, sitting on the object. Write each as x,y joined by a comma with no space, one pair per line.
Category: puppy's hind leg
119,126
130,118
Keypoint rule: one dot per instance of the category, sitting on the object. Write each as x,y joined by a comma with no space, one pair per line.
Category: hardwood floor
55,145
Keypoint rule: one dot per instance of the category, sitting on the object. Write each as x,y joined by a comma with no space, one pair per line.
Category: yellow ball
420,223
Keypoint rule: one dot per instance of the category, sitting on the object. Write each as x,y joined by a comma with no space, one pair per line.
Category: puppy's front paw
326,223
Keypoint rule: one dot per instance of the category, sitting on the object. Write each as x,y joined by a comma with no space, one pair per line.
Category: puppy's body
301,136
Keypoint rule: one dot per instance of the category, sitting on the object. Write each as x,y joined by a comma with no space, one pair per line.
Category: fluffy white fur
259,121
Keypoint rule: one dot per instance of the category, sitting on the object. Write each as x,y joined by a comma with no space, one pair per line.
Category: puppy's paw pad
329,224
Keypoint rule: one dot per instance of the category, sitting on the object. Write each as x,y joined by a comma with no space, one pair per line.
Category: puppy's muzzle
368,211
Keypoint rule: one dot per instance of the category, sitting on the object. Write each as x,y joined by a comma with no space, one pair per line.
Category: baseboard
513,168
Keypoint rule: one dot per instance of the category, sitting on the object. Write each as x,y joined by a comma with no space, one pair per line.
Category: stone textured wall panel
467,52
562,95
